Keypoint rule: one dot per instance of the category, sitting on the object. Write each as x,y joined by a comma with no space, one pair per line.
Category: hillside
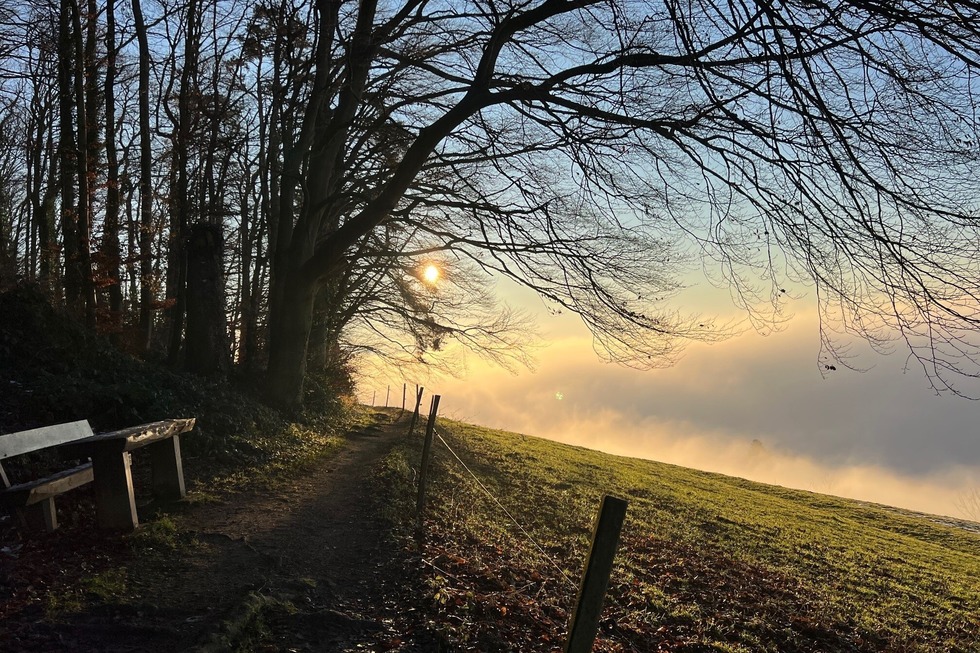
706,563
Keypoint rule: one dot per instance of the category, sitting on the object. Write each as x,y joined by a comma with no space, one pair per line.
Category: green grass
706,562
99,587
160,535
278,455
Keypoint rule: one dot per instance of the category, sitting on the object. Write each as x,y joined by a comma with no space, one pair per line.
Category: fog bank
878,436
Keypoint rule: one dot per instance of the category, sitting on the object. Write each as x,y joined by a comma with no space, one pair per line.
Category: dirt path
301,568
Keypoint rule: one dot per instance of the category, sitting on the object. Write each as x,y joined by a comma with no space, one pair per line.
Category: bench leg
39,515
50,514
167,470
115,503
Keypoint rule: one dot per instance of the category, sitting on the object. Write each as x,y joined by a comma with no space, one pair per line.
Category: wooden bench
110,469
115,502
27,498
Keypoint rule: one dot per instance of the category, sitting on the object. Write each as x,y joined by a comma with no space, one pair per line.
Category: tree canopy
586,149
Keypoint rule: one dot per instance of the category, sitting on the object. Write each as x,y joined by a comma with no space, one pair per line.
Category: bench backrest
14,444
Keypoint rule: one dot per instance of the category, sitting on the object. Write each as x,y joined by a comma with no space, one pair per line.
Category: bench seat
31,492
109,469
44,490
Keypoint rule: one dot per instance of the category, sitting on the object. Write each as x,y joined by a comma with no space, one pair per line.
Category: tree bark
86,106
110,230
206,343
68,155
287,347
92,153
46,203
145,331
41,183
248,297
320,331
180,190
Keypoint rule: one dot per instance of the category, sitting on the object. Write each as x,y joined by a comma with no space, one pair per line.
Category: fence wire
510,516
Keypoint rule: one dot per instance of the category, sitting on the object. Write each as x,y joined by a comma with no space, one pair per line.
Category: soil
306,566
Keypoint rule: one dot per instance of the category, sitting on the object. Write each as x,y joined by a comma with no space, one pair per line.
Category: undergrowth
247,630
52,371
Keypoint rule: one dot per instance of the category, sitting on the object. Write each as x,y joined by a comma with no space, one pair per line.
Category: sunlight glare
430,274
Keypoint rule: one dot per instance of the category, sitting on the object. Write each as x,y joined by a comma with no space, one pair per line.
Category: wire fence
527,535
590,592
583,639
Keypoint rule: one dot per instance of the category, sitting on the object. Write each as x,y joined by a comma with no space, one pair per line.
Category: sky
752,406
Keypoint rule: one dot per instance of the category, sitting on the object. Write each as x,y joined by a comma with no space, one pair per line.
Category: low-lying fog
754,407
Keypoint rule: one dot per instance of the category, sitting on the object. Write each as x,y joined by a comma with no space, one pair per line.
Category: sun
430,273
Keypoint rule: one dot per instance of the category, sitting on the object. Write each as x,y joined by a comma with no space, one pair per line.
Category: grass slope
706,562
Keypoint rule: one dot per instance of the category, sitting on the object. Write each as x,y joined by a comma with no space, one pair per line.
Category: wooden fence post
374,398
404,391
418,404
605,538
426,456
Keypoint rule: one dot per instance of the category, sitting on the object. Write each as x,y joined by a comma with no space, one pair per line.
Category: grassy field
706,563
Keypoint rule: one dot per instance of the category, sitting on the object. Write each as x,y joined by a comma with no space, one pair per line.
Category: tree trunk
288,340
8,240
206,342
180,185
132,261
248,305
46,223
320,331
40,183
110,255
68,155
86,106
145,331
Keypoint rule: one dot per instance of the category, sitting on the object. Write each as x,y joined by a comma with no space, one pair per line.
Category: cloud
879,435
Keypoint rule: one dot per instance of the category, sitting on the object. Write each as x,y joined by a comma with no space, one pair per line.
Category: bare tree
109,251
410,306
968,503
832,143
41,187
10,123
144,226
587,149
